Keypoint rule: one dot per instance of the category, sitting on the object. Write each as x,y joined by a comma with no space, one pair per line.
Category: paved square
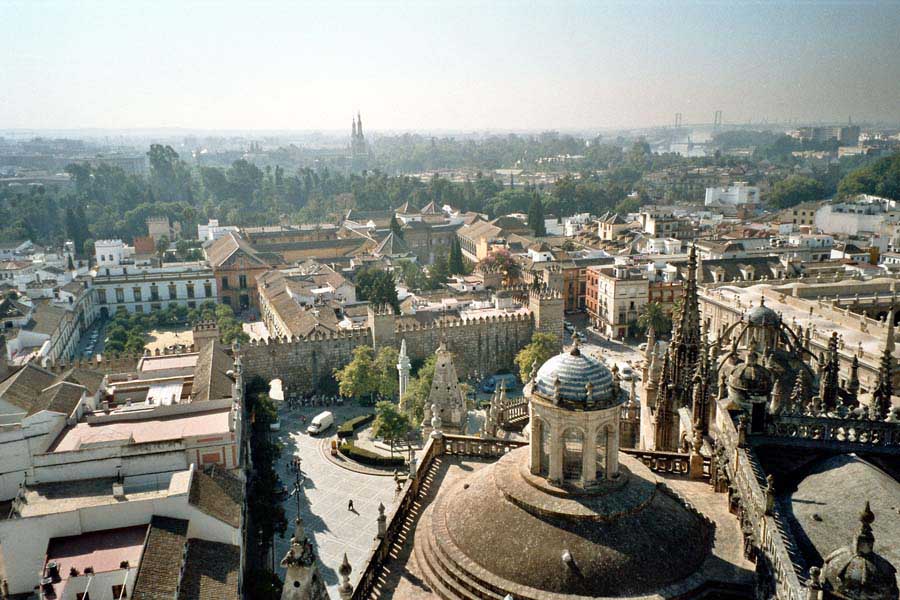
326,491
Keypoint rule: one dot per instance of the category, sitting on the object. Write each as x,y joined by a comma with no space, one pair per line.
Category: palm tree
653,315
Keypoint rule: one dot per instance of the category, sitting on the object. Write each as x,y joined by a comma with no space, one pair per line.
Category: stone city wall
481,346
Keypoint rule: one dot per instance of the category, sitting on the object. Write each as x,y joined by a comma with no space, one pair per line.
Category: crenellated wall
481,346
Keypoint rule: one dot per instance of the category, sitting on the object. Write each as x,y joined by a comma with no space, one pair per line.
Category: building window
173,291
120,295
226,300
190,290
137,294
139,309
207,290
225,285
155,306
102,296
154,292
242,281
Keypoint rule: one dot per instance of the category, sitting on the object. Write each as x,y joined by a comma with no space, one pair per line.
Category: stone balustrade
852,434
671,463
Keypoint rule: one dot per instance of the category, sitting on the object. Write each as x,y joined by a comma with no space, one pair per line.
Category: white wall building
213,231
144,289
737,193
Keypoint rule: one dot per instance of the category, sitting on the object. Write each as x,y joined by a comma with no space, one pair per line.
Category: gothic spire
884,388
359,130
828,386
354,128
686,340
798,395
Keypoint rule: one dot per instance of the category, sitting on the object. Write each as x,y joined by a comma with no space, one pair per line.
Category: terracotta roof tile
158,574
211,571
218,494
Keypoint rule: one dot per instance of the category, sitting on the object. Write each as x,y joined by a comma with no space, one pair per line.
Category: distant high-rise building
846,136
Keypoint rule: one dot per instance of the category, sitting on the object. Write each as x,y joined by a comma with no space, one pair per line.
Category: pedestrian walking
350,505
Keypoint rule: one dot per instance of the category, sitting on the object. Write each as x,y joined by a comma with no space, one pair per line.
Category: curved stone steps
451,574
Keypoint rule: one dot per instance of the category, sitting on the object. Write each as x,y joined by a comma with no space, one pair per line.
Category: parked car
626,373
491,383
568,326
579,335
321,422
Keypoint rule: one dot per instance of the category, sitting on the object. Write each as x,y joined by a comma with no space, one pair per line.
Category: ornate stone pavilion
570,516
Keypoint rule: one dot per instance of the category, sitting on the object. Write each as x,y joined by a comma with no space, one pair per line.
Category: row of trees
126,332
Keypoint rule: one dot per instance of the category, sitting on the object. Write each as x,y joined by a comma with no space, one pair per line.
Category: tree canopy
390,423
377,287
542,347
880,178
795,190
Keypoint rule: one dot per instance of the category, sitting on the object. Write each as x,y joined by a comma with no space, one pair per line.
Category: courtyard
326,489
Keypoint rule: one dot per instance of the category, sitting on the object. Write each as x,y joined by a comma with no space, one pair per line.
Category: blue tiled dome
574,371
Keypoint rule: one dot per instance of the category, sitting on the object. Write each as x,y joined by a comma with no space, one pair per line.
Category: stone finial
865,539
436,422
589,391
770,494
345,589
382,520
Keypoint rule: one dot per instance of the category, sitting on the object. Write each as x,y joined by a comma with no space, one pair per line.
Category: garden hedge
349,426
365,457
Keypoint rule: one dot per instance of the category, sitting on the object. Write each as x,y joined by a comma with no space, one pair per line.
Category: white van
626,373
320,423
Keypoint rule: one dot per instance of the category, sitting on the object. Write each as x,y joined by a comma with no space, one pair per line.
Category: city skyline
450,67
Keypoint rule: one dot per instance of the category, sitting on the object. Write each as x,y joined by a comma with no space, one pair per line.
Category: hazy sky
442,65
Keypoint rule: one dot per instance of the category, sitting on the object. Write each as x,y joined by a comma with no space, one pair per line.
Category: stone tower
302,580
204,332
381,324
445,396
403,368
547,308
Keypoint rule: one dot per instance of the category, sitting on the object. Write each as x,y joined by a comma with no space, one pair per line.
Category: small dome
751,377
858,572
763,316
574,371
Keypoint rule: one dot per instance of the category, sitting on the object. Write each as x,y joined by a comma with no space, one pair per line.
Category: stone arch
573,453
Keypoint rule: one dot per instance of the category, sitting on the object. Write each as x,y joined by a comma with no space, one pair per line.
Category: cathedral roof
824,507
763,315
751,377
634,540
573,372
856,571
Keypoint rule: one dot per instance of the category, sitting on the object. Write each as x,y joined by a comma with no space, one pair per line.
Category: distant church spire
359,129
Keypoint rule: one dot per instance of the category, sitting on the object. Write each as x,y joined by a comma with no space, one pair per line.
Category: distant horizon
452,66
443,131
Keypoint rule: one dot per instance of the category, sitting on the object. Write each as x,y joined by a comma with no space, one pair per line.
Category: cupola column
589,456
556,453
